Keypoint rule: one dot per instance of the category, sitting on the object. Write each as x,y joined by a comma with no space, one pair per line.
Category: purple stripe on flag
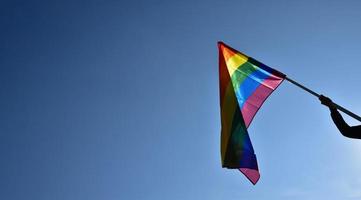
255,101
252,174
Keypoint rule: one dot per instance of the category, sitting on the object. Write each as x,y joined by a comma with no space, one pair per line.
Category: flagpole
303,87
342,109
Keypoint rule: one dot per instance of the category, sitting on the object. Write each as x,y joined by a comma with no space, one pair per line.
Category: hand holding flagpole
342,109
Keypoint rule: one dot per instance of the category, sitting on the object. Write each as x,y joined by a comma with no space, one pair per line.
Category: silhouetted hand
327,102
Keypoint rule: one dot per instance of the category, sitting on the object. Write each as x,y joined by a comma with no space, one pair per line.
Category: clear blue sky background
119,99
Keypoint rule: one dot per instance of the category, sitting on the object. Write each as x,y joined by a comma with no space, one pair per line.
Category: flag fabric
245,84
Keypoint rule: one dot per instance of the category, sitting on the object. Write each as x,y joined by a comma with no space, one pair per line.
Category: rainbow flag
244,85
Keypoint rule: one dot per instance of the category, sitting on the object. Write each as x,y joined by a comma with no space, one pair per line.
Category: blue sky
119,99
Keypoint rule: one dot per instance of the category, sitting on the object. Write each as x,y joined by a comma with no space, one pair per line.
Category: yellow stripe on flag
235,61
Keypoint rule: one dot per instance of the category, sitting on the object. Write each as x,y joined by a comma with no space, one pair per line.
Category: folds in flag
245,84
